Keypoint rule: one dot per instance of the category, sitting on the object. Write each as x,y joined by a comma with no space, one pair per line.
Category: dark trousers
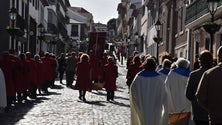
22,95
46,85
69,78
217,124
82,95
197,122
61,73
110,95
10,100
129,82
32,91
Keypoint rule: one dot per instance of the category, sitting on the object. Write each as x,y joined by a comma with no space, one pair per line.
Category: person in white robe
148,97
3,99
176,83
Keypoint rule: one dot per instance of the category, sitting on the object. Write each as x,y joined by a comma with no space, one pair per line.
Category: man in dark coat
209,91
70,69
200,116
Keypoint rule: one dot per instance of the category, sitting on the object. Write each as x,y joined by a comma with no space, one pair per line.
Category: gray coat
71,63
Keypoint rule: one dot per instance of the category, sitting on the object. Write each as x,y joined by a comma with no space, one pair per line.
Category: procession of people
171,93
25,76
157,92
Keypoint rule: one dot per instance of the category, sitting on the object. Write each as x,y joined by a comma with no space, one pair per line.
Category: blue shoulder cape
182,71
164,71
147,73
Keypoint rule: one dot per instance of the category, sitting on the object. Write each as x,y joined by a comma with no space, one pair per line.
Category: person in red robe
49,65
133,69
84,76
32,79
39,71
22,76
110,75
13,56
130,59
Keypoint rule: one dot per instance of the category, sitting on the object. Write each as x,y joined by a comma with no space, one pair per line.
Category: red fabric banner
97,43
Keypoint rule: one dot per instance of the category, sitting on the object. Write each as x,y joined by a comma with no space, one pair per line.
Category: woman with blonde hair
84,76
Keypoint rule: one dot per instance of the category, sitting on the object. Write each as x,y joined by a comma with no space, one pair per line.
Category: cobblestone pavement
62,107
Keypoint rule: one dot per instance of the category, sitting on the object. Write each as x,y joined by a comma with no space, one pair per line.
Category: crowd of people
156,91
162,94
25,76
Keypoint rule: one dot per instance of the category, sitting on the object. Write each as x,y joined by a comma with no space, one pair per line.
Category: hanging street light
13,13
136,42
12,29
158,25
212,27
212,7
157,39
41,37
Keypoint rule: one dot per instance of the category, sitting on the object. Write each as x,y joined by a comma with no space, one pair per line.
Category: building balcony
52,28
196,10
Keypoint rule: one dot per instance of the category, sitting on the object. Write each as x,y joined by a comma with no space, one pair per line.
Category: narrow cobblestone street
62,107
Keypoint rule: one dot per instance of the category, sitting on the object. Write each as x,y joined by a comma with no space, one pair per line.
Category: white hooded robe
176,85
148,99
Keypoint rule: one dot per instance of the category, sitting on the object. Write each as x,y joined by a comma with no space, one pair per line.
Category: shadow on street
19,110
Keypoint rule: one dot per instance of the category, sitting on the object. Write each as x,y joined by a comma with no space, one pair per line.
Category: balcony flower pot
211,27
14,31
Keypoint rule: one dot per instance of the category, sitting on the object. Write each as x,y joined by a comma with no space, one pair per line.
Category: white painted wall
33,13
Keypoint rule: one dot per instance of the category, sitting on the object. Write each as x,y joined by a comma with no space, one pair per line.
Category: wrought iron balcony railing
197,9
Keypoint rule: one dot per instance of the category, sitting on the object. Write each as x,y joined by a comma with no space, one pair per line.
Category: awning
77,17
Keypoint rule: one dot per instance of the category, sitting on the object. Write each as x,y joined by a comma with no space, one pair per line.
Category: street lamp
158,26
128,46
12,13
136,36
157,39
212,27
212,6
12,30
40,37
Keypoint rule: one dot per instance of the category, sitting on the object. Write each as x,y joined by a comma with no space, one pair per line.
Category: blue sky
102,10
